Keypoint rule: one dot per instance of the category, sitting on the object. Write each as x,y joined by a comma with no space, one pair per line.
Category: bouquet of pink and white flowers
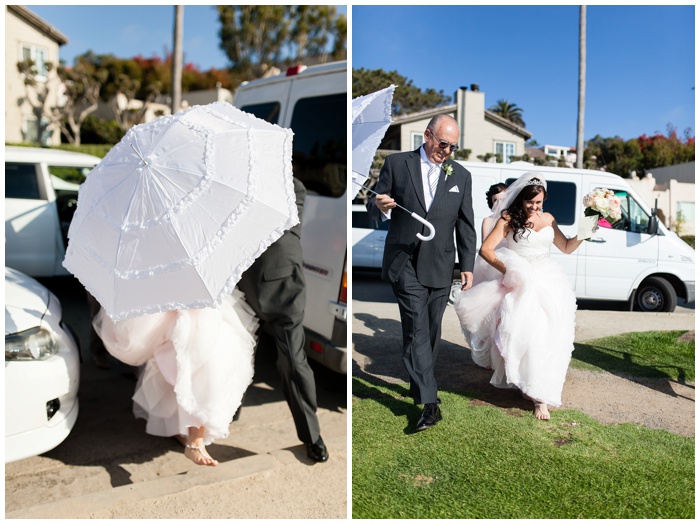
599,203
604,203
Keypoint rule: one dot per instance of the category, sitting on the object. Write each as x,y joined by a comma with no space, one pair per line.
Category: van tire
655,295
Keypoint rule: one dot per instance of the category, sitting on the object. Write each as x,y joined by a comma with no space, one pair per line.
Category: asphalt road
94,472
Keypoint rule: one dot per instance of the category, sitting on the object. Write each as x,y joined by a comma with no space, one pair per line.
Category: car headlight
33,344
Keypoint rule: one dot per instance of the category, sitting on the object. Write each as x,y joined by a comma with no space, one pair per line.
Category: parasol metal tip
139,154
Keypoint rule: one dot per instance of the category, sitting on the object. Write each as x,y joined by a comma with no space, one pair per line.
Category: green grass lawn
654,354
487,462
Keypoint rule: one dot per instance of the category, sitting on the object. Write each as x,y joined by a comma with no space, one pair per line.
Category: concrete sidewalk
108,467
263,471
597,324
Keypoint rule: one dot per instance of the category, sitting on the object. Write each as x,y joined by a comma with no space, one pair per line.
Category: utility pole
581,85
177,59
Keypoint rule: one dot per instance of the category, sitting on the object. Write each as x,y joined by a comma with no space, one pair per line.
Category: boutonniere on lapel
448,169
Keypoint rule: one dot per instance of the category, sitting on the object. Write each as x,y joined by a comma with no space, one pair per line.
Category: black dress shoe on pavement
317,451
431,416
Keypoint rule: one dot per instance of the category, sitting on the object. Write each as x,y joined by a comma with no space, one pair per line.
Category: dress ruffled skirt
198,364
521,324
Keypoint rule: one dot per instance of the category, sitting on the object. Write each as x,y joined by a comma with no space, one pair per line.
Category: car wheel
655,295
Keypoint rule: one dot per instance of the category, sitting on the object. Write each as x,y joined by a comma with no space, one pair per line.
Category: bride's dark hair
515,214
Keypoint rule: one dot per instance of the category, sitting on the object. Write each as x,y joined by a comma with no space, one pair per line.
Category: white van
313,103
39,207
639,260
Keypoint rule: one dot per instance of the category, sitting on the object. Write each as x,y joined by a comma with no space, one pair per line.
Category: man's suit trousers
421,310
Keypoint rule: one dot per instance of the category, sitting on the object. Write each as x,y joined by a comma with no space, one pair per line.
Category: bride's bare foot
541,411
197,453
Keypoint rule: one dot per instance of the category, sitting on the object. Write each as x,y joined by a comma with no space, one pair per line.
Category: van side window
21,181
77,175
319,158
268,111
561,201
634,218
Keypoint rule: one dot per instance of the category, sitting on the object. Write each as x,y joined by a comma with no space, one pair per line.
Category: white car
39,206
42,369
368,239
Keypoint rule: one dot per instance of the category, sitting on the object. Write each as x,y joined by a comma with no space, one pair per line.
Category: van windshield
634,218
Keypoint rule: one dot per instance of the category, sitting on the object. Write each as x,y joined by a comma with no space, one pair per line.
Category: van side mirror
653,227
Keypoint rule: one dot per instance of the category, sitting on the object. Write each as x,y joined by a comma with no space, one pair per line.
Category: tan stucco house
29,37
481,131
672,188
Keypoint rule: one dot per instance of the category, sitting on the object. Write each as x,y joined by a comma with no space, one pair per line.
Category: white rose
601,204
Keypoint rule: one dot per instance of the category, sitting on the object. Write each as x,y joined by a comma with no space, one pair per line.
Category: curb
85,505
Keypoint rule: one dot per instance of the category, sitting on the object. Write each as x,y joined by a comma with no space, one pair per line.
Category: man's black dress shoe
431,416
317,451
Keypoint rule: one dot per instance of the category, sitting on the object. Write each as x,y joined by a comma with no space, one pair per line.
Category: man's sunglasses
442,144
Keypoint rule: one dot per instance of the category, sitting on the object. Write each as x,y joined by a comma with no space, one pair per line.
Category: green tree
257,38
82,85
340,42
641,154
311,27
126,115
660,150
615,155
407,97
253,37
510,112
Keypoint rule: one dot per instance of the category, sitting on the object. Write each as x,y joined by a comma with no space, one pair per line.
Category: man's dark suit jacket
451,214
274,285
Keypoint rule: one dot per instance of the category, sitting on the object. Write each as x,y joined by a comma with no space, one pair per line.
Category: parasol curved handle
429,226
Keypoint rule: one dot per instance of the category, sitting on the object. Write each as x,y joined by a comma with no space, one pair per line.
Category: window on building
505,149
685,210
552,151
38,56
30,130
416,140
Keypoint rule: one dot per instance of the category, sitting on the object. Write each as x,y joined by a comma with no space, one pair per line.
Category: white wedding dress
521,324
198,364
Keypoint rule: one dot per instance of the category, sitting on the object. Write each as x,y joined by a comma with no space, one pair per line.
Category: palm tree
511,112
581,85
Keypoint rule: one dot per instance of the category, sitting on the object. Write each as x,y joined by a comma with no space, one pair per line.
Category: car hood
26,302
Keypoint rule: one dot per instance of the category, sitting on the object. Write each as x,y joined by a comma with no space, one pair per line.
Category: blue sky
640,61
130,30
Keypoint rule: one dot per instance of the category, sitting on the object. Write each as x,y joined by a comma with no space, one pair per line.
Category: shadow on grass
380,362
397,403
455,371
656,376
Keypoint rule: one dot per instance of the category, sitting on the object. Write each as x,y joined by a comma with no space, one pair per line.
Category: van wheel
655,295
454,289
